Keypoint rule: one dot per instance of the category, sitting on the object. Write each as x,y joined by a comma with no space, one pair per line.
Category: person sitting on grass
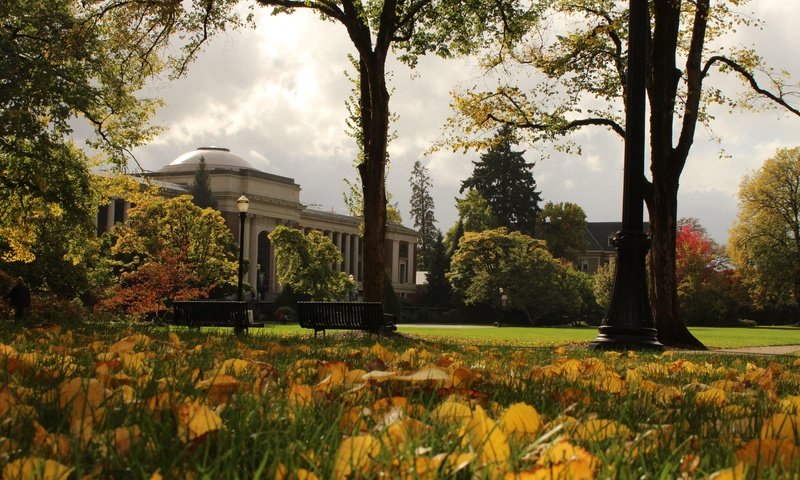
19,297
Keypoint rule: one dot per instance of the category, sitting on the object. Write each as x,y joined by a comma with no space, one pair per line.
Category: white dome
215,157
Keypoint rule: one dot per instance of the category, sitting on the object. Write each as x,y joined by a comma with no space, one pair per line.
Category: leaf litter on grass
177,404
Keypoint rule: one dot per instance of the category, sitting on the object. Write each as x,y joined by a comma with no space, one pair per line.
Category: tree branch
568,127
694,82
733,65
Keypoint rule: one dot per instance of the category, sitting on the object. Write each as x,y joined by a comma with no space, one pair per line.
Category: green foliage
562,225
201,187
69,63
304,262
604,283
505,180
765,241
438,292
169,249
534,281
475,212
422,212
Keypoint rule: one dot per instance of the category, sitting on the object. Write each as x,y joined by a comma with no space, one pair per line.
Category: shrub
746,323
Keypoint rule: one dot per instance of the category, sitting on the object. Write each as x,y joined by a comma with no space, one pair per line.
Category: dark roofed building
599,250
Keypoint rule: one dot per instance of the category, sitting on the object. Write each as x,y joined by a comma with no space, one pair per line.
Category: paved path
774,350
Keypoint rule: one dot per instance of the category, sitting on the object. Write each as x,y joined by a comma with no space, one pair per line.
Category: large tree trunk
666,165
663,206
375,125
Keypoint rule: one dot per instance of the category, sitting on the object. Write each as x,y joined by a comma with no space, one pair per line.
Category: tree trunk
666,165
375,125
663,206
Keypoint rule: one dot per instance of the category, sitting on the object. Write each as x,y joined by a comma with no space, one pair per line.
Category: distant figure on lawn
19,297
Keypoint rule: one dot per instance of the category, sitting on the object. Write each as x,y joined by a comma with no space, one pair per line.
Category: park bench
322,316
214,313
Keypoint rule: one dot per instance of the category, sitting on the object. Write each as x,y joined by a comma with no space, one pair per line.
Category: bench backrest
210,312
341,315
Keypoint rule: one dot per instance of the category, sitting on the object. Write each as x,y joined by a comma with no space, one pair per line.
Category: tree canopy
69,63
533,281
305,263
562,225
201,187
169,249
765,240
578,53
505,180
422,212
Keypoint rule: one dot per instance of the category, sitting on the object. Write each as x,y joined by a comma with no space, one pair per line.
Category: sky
276,94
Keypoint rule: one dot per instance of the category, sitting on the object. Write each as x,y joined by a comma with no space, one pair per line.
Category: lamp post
628,323
243,203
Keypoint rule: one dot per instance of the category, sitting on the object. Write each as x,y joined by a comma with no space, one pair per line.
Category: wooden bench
214,313
322,316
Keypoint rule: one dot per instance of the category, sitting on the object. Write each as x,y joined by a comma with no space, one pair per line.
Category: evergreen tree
201,187
505,180
438,292
422,213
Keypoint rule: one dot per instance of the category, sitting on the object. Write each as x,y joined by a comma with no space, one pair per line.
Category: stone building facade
274,200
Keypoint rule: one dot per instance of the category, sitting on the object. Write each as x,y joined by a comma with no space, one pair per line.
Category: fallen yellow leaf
35,468
195,421
355,456
520,421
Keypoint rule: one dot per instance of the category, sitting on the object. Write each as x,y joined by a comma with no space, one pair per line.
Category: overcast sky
276,96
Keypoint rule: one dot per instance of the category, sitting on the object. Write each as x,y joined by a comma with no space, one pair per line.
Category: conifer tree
201,187
438,292
422,213
505,180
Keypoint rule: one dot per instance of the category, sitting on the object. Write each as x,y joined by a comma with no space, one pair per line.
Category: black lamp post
243,203
628,323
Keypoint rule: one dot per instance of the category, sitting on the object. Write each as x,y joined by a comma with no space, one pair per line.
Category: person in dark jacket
19,297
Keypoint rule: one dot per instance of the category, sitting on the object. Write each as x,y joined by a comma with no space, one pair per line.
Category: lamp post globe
242,203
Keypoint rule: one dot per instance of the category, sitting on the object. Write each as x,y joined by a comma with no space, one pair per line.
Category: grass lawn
712,337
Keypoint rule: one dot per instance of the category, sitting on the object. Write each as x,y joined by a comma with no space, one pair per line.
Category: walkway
773,350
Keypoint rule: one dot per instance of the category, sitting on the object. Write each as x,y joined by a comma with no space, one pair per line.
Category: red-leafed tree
706,284
148,290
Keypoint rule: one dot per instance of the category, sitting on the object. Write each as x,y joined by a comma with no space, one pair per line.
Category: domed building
274,200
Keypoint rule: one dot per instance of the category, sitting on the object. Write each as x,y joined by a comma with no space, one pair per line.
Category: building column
347,238
251,233
272,273
110,216
411,269
395,261
125,208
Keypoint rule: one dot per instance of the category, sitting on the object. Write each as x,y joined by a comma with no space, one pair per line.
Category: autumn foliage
169,249
150,289
707,286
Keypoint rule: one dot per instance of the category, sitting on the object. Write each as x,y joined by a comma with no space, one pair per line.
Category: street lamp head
243,203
